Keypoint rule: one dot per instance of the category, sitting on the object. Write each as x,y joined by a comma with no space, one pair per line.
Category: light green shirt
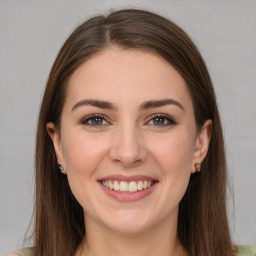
243,250
247,250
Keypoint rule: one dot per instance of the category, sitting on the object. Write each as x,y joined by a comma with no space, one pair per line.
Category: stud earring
198,167
61,168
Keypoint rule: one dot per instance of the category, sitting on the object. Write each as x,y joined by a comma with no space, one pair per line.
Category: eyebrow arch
144,106
160,103
94,103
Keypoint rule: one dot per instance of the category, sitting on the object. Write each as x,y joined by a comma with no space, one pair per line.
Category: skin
129,141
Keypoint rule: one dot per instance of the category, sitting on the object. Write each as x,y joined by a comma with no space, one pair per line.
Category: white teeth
132,186
124,186
140,185
111,186
145,184
116,185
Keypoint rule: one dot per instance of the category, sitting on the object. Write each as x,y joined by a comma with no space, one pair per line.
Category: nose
128,148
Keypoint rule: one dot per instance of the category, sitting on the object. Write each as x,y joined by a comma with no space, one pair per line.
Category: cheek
174,156
82,153
174,153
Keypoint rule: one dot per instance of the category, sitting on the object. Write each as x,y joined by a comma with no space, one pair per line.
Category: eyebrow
160,103
94,103
144,106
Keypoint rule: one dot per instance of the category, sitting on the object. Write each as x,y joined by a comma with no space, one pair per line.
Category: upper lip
127,178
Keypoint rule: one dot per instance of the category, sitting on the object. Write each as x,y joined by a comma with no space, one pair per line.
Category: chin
128,222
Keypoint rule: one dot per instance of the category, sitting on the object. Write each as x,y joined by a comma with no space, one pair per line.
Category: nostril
128,149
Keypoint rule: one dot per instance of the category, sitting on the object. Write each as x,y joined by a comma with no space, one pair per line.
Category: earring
198,167
61,168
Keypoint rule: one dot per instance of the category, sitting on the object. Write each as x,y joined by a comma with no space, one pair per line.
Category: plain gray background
31,33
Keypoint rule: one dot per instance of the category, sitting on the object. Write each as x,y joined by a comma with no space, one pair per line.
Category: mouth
125,189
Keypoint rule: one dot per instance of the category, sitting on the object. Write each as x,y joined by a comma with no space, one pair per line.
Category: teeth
116,185
111,186
124,186
133,186
140,185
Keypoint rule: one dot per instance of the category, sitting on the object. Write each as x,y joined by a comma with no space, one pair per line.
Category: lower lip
128,197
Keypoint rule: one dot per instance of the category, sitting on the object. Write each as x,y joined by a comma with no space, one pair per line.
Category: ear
56,140
202,144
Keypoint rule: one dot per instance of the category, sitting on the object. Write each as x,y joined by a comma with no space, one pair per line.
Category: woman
130,156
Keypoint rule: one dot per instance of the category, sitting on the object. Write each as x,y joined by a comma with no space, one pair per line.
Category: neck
159,240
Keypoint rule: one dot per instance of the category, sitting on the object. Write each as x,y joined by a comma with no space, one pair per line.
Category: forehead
115,74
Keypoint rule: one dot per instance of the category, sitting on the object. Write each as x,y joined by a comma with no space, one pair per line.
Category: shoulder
21,252
246,250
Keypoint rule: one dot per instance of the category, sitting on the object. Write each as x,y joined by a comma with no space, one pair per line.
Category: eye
161,120
95,120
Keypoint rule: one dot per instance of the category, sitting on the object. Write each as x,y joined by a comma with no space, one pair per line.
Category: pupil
158,121
97,121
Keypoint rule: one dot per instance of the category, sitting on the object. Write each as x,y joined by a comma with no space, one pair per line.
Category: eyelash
167,120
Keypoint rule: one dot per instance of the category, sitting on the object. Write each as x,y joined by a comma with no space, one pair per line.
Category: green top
243,250
247,250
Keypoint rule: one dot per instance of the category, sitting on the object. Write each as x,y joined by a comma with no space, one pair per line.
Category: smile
128,188
124,186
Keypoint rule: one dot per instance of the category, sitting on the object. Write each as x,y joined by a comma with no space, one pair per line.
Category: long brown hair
202,222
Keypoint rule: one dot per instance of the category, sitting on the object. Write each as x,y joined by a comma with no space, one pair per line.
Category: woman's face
128,140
